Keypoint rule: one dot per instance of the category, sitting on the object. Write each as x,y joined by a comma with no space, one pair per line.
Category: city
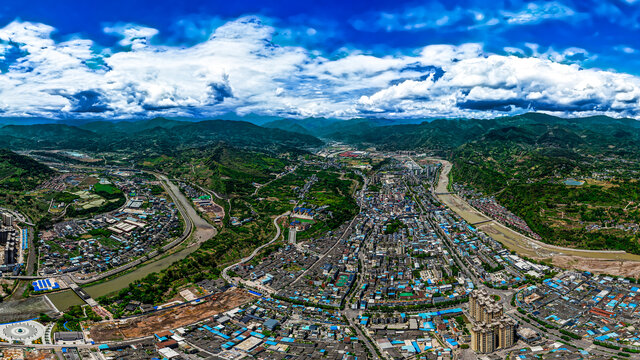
339,180
407,277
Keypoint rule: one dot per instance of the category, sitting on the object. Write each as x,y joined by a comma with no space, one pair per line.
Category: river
202,232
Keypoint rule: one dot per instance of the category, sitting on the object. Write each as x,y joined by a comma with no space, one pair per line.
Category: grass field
105,188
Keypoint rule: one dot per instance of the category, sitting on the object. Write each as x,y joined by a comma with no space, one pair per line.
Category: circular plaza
24,331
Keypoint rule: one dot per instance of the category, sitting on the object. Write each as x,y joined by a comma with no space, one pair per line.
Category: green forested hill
157,136
18,172
221,167
524,165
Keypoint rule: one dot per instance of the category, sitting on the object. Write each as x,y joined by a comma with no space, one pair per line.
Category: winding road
225,272
194,226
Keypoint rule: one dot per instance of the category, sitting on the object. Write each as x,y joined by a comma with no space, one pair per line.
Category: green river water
64,299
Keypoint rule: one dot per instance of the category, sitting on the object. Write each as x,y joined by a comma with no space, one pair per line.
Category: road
17,216
207,191
225,272
372,347
194,225
203,230
260,186
352,316
441,192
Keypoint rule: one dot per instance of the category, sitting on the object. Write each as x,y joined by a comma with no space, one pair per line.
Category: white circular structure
25,331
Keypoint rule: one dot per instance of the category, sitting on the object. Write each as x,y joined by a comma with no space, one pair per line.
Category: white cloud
568,55
534,13
131,34
32,35
488,86
442,15
625,49
238,68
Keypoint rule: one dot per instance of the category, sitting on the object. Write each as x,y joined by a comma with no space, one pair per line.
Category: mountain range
441,136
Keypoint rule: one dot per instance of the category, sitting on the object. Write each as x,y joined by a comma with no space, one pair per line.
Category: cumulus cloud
239,68
131,34
486,86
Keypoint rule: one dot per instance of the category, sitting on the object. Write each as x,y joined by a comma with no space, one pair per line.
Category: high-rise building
7,219
491,330
472,303
5,234
504,331
482,338
292,235
9,256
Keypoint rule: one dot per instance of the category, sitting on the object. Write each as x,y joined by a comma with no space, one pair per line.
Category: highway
195,227
203,230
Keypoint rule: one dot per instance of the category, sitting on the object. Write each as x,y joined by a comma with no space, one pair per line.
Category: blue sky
120,59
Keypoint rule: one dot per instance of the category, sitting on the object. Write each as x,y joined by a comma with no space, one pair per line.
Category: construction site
171,318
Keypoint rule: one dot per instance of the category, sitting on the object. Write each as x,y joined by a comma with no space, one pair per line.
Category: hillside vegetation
156,136
520,161
524,166
19,173
221,167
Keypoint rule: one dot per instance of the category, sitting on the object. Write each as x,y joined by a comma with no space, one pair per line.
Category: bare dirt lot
610,267
170,319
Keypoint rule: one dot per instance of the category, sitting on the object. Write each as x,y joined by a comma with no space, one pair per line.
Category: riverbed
511,239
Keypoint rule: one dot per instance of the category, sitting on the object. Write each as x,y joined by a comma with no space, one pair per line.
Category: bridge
481,222
83,294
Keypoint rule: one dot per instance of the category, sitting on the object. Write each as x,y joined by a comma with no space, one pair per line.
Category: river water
64,299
